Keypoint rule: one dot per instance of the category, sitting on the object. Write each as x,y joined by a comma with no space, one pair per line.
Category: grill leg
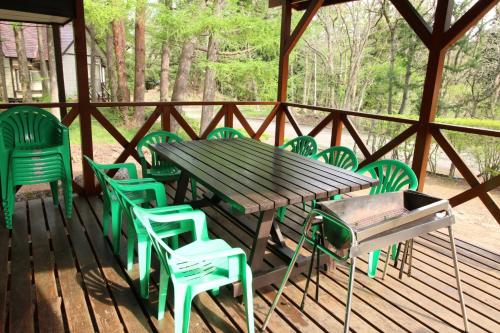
352,270
397,255
285,280
457,276
410,254
403,260
386,261
309,273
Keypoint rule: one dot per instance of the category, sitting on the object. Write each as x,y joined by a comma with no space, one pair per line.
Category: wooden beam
322,124
302,5
183,123
243,121
79,33
286,19
462,167
475,191
279,135
414,20
312,9
70,117
267,121
355,135
165,118
467,21
336,137
432,87
390,145
61,91
214,122
292,121
229,116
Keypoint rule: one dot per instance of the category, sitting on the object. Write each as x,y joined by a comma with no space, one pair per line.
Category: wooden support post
165,118
337,125
229,118
432,86
61,91
279,136
83,95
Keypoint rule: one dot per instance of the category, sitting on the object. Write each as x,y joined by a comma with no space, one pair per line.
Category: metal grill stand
364,224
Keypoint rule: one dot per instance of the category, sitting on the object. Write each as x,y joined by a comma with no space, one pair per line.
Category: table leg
182,185
261,237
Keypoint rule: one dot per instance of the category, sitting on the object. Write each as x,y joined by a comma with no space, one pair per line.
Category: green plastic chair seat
164,172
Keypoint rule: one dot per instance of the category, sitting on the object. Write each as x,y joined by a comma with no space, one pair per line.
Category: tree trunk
140,59
93,66
4,97
111,68
54,93
392,60
165,69
210,86
406,88
24,73
123,93
182,78
42,51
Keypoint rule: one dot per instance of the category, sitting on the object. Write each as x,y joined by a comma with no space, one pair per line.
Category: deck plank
4,274
73,295
20,295
47,298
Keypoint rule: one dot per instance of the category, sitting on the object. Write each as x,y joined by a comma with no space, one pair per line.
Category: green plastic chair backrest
154,138
224,133
303,145
29,126
99,174
148,217
339,156
393,176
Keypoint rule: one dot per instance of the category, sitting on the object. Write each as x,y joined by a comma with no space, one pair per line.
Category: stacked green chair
34,149
160,169
202,265
224,133
135,229
393,176
338,156
111,208
302,145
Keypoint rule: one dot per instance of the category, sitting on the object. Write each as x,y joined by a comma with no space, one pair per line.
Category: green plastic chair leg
144,258
337,197
116,226
373,263
280,213
194,189
55,193
106,215
7,214
68,198
162,293
182,309
215,292
131,234
174,242
394,251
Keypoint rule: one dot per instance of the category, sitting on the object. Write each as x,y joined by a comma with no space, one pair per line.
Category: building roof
38,11
303,4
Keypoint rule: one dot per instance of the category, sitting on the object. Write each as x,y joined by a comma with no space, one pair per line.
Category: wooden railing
166,111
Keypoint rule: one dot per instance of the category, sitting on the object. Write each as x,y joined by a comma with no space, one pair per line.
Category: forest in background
359,56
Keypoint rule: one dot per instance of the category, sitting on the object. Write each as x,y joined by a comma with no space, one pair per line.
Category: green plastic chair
338,156
202,265
111,208
35,149
393,176
160,169
224,133
135,230
302,145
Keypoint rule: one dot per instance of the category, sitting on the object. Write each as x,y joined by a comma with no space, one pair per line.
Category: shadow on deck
60,275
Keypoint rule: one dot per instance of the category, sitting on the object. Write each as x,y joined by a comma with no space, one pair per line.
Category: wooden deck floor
60,275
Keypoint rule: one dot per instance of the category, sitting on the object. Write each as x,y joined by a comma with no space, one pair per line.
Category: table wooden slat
253,176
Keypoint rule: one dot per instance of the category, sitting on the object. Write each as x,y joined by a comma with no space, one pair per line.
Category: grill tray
379,220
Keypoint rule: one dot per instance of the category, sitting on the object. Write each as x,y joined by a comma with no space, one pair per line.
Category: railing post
83,95
165,117
229,115
61,92
337,125
279,136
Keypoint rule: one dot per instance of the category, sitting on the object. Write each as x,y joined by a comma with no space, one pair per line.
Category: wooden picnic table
253,177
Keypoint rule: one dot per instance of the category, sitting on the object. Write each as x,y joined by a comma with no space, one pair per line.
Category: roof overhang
38,11
303,4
